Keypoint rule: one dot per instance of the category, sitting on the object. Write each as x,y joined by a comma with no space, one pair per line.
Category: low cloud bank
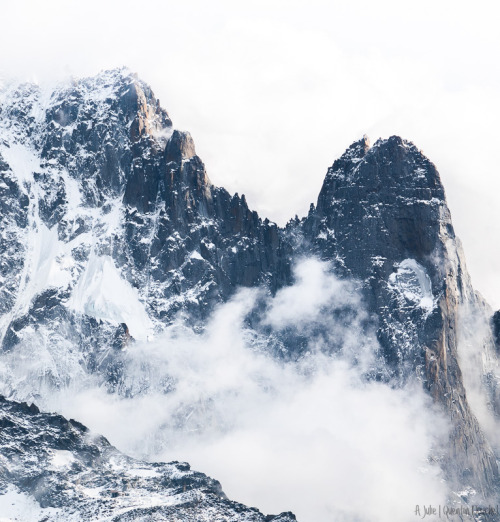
310,435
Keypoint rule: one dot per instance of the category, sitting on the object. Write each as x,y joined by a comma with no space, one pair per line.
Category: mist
311,435
480,367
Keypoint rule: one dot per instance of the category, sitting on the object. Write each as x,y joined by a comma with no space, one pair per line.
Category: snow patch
142,472
102,293
412,281
378,260
19,506
72,189
22,161
61,459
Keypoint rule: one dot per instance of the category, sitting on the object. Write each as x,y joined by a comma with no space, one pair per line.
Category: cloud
313,291
312,436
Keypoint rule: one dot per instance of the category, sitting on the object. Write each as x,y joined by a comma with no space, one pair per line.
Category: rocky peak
382,218
353,154
179,147
386,195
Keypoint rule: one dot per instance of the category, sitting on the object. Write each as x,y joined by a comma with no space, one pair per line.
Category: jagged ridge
115,194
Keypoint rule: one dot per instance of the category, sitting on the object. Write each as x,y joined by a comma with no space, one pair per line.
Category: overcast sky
273,91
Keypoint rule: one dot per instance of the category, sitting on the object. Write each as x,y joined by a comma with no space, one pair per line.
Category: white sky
274,91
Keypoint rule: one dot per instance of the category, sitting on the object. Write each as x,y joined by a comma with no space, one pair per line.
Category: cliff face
382,217
98,187
110,230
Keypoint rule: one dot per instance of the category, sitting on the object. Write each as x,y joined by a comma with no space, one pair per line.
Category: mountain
111,231
98,185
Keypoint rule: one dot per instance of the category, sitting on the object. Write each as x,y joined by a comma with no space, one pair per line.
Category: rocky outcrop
495,323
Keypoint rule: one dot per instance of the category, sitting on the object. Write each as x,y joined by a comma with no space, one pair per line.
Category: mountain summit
111,231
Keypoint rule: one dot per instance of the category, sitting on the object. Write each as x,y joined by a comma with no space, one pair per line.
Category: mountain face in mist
111,231
73,476
382,218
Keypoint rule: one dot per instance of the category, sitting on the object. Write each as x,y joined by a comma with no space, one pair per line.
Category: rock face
74,476
110,230
496,329
97,186
382,218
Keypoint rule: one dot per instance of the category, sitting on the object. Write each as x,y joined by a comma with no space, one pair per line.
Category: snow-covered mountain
111,232
111,220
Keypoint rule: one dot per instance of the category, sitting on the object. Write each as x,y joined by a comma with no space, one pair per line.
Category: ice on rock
413,283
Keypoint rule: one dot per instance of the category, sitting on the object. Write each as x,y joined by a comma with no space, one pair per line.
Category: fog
311,435
480,369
